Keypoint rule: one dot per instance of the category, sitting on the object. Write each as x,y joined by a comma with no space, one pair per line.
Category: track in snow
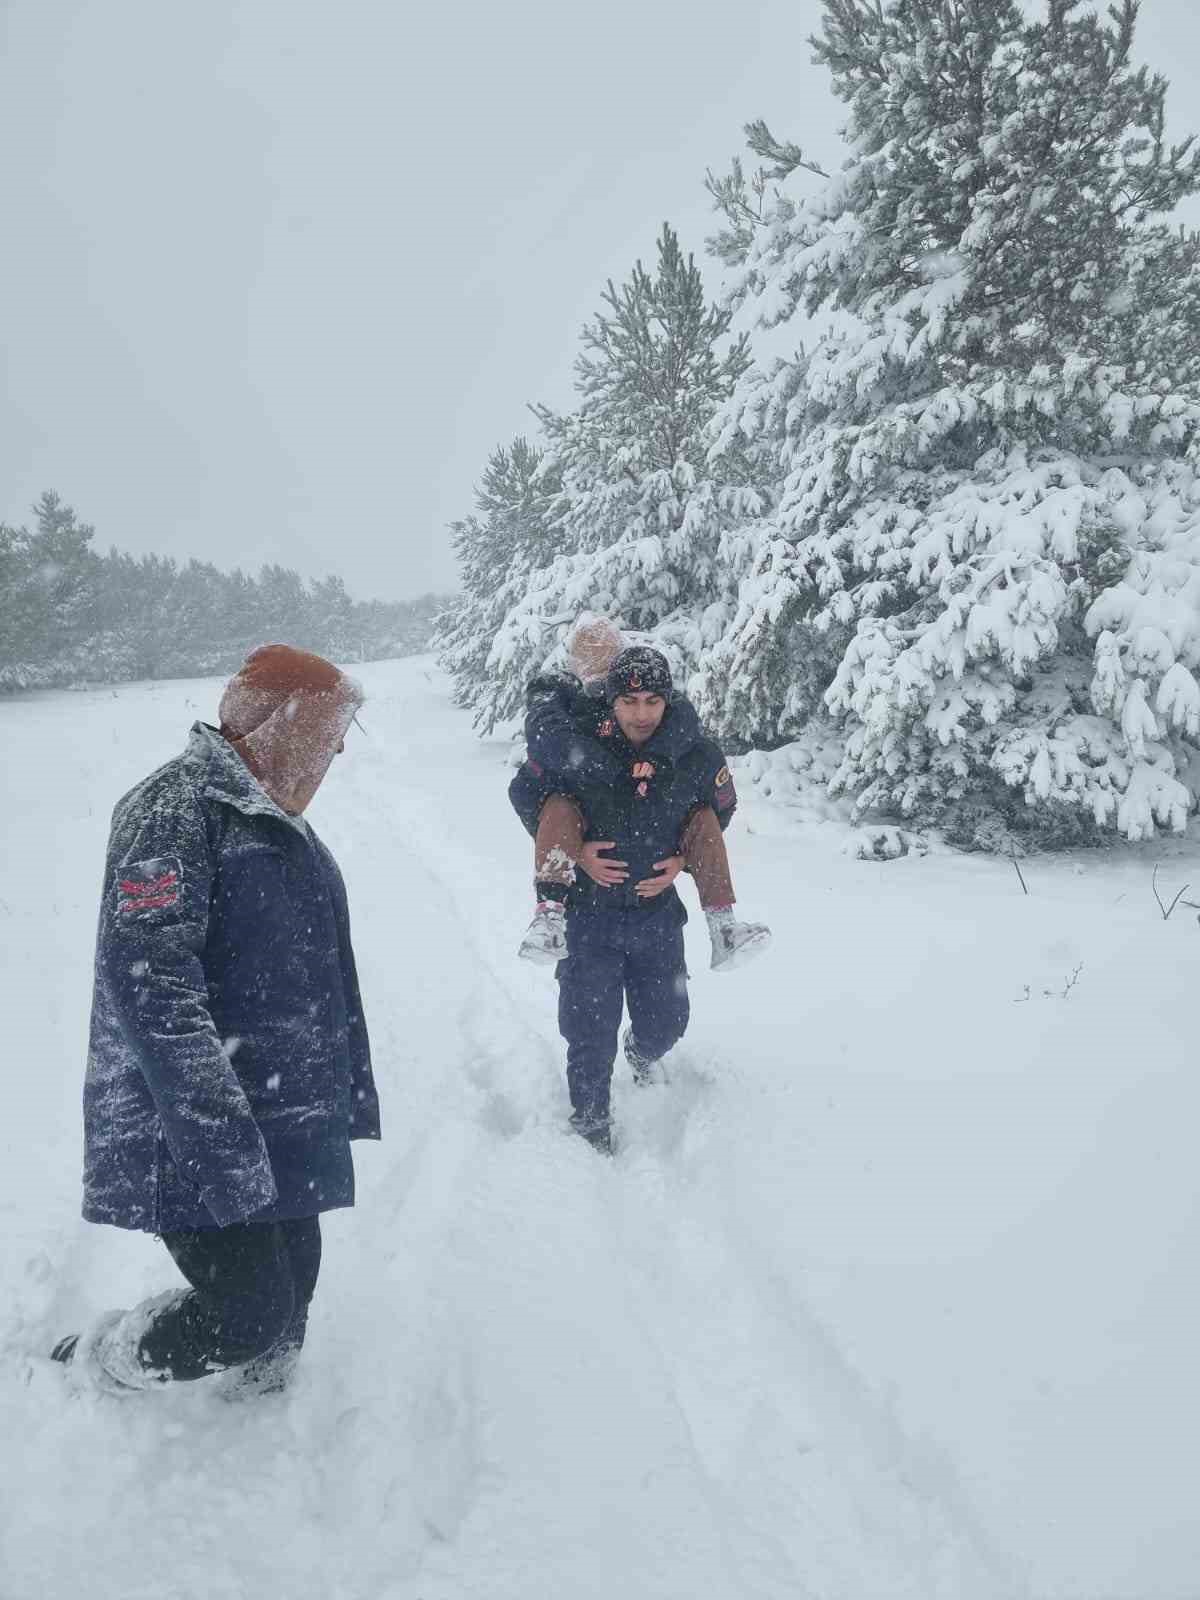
529,1371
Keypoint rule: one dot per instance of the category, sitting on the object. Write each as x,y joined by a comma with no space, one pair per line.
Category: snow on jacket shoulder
560,730
566,749
646,826
690,772
228,1064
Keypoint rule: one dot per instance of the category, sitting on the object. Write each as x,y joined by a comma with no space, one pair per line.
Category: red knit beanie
286,713
268,677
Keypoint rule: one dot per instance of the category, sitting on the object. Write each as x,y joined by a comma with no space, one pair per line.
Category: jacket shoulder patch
149,885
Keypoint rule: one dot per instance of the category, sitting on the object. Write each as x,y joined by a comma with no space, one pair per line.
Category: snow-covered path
890,1292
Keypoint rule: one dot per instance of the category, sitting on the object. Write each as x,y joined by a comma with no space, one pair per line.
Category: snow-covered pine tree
330,617
204,641
497,549
643,500
991,513
47,595
24,607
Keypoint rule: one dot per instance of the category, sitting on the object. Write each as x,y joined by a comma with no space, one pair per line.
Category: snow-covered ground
891,1292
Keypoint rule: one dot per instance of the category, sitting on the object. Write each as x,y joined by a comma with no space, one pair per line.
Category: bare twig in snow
1166,910
1020,874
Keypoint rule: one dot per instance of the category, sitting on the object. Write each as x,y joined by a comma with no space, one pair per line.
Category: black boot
596,1127
641,1066
265,1375
64,1350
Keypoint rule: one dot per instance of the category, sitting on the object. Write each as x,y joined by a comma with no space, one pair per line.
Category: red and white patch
605,730
149,885
726,794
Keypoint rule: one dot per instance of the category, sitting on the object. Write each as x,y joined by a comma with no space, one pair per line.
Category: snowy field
891,1293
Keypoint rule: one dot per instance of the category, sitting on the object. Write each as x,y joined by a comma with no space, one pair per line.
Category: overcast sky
278,275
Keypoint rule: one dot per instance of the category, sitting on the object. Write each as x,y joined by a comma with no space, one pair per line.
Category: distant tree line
70,615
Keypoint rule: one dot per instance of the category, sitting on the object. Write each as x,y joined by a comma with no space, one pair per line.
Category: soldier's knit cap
639,670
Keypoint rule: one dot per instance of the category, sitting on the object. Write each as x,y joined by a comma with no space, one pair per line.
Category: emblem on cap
635,681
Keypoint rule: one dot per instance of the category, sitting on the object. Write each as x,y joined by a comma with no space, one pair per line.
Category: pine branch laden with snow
632,528
985,555
508,538
653,578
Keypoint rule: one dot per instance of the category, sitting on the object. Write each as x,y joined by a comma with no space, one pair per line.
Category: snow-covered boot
271,1373
105,1358
596,1128
642,1066
733,942
79,1354
546,936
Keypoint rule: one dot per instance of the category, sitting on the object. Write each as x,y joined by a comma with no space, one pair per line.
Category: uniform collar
227,778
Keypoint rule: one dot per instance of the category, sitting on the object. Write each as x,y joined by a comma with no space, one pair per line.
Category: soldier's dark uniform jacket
229,1066
620,948
575,747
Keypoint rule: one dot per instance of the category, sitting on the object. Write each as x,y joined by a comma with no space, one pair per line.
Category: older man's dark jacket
229,1066
576,747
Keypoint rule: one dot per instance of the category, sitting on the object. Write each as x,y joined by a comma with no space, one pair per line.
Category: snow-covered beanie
639,670
286,713
594,645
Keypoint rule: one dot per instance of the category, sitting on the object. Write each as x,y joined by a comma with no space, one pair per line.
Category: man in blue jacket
562,715
228,1067
624,919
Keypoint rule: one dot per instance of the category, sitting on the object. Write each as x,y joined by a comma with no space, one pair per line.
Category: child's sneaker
734,943
545,938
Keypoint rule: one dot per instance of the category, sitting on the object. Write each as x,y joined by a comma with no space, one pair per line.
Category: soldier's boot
641,1065
594,1125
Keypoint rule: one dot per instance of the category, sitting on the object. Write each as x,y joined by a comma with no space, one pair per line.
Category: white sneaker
734,943
545,938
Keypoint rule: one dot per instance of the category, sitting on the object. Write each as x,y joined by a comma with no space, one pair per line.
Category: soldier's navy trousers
618,957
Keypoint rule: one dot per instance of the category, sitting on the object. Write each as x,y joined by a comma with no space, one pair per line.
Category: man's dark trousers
251,1287
613,957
